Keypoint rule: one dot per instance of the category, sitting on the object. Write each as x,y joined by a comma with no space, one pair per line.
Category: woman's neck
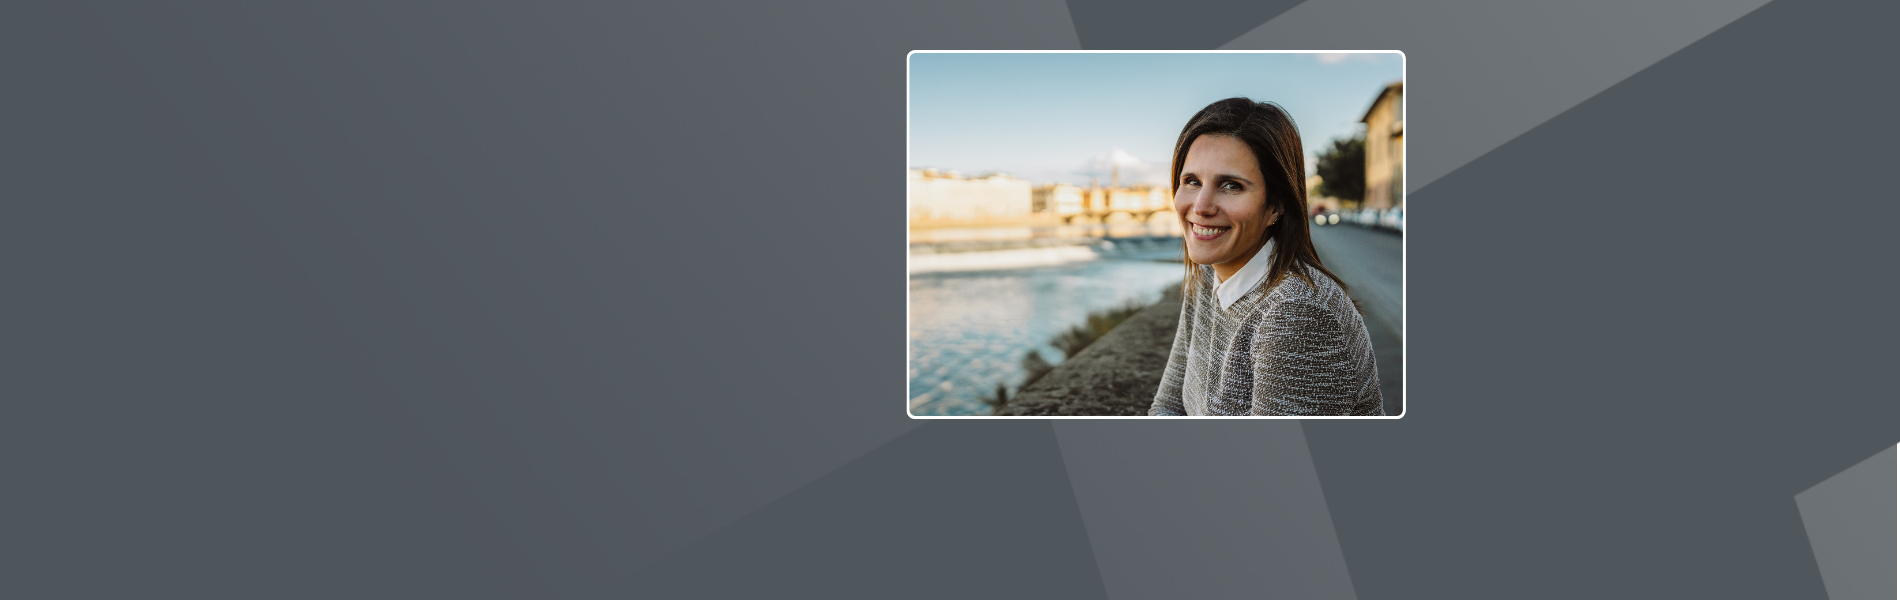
1225,270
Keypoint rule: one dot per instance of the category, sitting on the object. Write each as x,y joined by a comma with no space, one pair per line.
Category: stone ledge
1116,375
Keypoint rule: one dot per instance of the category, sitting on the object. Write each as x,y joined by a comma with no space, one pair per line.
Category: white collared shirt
1246,279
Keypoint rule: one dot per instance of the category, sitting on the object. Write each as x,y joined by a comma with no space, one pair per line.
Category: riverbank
1116,375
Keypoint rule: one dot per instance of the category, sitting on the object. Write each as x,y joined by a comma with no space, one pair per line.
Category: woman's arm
1302,363
1168,398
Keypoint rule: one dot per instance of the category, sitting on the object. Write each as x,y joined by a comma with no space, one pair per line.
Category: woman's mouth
1205,233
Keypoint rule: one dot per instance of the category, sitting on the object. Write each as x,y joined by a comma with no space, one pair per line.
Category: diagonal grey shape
950,510
1483,72
1204,509
1139,24
1851,527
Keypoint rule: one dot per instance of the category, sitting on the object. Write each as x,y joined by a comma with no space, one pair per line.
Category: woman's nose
1203,207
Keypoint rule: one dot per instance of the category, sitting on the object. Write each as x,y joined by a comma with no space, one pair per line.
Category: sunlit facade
1385,148
948,196
1058,199
1139,198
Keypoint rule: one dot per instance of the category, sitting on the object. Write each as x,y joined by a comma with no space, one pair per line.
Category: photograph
1156,234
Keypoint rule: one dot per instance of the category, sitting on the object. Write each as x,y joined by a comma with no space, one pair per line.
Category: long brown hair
1275,141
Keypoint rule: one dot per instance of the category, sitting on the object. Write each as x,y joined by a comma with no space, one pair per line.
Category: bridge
1098,204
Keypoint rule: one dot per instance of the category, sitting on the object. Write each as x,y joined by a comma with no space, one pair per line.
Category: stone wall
1116,375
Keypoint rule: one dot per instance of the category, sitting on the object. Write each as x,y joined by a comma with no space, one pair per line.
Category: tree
1342,169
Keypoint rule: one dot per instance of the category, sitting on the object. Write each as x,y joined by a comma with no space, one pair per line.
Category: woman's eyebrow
1235,178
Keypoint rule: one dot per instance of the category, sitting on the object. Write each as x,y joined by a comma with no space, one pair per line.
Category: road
1372,262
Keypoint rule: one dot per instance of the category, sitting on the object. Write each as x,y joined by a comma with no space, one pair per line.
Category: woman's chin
1204,260
1208,257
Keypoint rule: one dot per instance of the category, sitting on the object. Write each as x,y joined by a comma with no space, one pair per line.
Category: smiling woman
1265,329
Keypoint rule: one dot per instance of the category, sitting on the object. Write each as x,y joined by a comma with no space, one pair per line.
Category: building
1385,148
1137,201
1057,199
948,196
1139,198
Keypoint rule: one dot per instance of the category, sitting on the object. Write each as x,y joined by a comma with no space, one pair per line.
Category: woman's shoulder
1315,286
1314,292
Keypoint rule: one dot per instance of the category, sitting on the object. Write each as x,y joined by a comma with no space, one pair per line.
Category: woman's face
1222,201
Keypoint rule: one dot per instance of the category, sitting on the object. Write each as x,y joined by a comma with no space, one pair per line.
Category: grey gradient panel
400,300
1638,330
1483,71
949,510
1199,509
1179,25
408,299
1851,525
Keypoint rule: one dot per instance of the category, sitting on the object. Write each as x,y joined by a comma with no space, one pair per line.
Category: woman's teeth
1199,230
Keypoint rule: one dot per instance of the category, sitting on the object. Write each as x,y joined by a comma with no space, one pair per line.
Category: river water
975,314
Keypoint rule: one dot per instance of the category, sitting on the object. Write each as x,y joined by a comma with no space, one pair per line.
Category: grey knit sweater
1292,349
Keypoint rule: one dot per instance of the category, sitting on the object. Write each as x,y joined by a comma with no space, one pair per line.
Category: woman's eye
1230,186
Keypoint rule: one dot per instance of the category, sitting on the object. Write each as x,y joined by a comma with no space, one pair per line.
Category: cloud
1102,166
1132,168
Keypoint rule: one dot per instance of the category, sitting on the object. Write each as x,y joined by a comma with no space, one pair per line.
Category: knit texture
1292,349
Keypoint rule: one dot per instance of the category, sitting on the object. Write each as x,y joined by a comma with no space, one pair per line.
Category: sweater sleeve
1302,365
1168,398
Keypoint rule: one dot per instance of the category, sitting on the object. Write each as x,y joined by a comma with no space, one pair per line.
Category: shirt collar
1246,279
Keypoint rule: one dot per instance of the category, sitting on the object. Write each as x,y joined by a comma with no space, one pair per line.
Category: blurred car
1391,218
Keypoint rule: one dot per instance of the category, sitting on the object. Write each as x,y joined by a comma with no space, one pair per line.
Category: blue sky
1056,117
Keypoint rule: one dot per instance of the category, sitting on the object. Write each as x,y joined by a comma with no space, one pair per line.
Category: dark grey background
594,300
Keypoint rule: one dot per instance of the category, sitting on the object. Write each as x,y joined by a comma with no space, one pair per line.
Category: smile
1204,233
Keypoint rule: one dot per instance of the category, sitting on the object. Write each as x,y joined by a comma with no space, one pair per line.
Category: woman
1265,329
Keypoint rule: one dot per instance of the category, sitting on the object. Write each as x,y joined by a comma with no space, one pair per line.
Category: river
973,315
